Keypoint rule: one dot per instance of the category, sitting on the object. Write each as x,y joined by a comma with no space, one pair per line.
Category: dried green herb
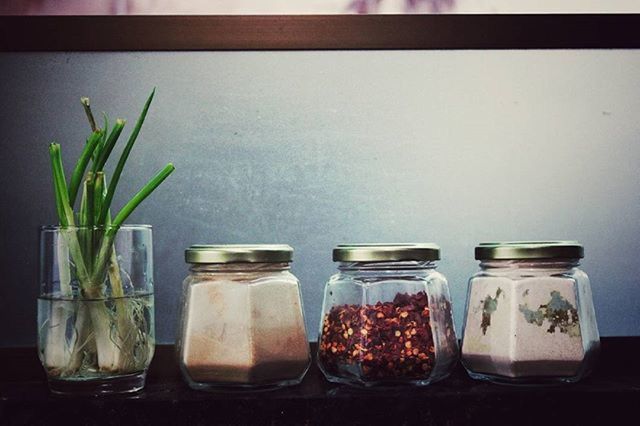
489,306
561,315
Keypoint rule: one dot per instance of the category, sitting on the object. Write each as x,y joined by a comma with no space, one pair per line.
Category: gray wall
318,148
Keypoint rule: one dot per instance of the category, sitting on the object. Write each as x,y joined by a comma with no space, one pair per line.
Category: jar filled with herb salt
387,318
242,323
530,315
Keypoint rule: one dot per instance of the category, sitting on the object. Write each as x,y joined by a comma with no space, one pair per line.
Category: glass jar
386,317
529,314
242,323
95,308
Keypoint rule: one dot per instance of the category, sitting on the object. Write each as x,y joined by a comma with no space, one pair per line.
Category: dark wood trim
125,33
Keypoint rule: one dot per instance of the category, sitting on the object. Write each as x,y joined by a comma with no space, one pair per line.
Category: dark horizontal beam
104,33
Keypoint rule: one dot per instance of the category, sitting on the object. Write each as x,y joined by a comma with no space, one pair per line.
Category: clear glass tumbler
95,308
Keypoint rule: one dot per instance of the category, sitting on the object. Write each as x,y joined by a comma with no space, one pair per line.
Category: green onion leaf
104,252
85,217
56,186
108,145
98,195
105,117
123,159
142,194
87,109
81,165
65,213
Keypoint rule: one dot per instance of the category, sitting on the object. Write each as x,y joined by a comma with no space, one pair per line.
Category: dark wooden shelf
609,396
302,32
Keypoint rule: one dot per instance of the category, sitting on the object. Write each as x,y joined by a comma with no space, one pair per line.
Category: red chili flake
394,339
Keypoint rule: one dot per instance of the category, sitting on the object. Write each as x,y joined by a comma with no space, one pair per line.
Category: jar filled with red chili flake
386,317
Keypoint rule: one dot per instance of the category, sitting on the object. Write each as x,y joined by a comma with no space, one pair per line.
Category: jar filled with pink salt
242,323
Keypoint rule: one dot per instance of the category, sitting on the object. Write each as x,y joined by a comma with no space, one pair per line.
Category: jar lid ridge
514,250
385,252
238,253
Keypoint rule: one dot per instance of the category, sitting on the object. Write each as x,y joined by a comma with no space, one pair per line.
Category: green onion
96,194
91,248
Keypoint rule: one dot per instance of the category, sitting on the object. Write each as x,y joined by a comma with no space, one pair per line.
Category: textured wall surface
318,148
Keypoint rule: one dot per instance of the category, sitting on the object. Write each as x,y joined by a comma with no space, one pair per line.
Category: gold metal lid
385,252
514,250
238,253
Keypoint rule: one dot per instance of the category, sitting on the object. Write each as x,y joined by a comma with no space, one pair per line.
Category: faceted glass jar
242,322
530,319
387,322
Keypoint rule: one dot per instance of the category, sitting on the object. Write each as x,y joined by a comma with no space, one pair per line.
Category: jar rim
238,253
53,228
515,250
385,252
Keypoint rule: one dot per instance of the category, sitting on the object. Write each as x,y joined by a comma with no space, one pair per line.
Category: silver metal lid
514,250
385,252
238,253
